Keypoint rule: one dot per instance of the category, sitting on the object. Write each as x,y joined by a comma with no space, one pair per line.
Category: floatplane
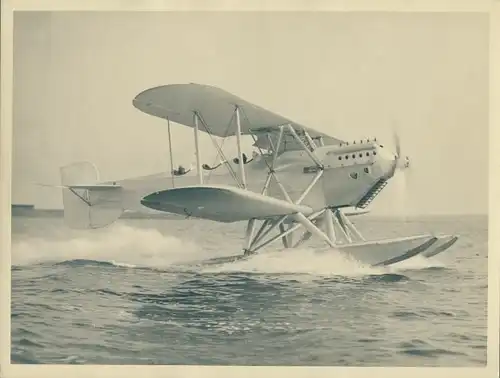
296,178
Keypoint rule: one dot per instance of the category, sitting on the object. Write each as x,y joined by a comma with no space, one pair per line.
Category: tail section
88,204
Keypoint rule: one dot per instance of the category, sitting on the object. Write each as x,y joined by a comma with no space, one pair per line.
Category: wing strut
171,153
306,149
199,170
241,181
238,141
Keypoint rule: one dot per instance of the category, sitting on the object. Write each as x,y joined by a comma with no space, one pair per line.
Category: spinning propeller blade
402,162
397,144
401,170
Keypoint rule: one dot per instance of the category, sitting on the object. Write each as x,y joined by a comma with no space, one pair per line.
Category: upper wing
216,107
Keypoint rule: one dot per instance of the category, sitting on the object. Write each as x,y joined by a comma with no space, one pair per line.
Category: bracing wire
219,149
221,153
221,146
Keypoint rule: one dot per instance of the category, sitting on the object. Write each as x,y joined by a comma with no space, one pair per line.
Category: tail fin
88,204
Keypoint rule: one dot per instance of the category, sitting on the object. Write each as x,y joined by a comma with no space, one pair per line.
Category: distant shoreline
59,213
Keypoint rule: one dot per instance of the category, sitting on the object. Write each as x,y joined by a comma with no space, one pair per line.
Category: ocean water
141,292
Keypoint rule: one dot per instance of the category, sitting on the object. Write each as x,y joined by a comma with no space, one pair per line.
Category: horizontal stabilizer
87,187
220,203
90,205
94,187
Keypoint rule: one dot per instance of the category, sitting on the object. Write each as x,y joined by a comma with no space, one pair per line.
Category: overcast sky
352,75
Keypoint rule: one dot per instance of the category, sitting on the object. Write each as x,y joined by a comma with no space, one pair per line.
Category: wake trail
121,245
301,261
126,246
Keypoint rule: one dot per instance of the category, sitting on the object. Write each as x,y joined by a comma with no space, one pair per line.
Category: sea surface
141,292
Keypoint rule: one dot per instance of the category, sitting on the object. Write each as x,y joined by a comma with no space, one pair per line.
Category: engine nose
389,162
385,161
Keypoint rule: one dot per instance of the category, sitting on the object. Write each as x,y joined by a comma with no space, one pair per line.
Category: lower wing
220,203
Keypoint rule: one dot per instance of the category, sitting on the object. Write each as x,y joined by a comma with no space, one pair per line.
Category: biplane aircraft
297,178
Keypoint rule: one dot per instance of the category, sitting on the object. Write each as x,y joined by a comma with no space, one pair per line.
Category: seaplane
299,184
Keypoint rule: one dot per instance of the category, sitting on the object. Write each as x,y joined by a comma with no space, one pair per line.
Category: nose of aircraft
387,161
390,162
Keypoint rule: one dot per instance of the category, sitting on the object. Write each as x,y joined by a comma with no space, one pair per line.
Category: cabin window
374,152
367,154
312,169
366,169
360,155
340,157
347,157
353,156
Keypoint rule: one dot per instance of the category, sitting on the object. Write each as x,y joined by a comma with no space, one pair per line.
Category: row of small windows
361,142
360,155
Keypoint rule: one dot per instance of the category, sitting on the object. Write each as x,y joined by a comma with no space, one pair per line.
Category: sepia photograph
250,188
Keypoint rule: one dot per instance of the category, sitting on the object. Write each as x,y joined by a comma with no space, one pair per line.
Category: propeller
401,161
402,165
397,144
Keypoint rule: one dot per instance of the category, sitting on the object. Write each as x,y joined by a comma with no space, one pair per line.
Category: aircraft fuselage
350,172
